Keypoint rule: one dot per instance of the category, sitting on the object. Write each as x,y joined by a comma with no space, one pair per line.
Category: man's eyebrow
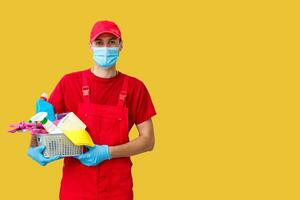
112,38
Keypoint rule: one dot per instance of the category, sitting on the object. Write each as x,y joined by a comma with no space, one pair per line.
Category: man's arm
144,142
33,142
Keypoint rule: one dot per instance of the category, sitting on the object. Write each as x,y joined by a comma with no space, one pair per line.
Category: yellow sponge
79,137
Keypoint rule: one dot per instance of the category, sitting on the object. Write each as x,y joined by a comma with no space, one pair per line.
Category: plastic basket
58,144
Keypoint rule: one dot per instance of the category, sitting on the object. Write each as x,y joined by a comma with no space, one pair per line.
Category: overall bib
107,125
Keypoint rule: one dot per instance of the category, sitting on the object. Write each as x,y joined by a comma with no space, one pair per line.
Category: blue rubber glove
36,153
95,155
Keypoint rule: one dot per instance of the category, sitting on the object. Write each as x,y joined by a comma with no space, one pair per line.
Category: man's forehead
106,36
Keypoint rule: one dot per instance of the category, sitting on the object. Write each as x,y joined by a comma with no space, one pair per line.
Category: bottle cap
44,96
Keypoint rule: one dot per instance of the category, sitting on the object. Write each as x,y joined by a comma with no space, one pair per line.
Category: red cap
104,27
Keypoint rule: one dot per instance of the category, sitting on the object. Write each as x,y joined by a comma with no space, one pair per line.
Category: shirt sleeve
144,105
57,97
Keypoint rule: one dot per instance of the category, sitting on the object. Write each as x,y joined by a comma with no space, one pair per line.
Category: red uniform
109,108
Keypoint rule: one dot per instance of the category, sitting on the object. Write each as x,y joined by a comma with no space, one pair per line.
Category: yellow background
223,75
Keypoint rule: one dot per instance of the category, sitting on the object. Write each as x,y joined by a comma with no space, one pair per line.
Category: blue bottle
42,105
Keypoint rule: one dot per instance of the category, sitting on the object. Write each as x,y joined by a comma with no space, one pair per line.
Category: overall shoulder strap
85,86
123,93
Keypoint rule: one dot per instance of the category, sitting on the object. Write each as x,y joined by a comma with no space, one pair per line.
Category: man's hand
95,155
36,153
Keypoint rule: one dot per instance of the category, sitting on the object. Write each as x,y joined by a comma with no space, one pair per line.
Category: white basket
58,144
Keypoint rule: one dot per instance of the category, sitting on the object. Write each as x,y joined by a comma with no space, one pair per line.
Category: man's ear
121,45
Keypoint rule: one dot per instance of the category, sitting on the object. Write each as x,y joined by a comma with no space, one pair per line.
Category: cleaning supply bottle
50,127
42,105
47,124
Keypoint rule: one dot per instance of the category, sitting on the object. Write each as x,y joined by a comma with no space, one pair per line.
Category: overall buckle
123,95
85,90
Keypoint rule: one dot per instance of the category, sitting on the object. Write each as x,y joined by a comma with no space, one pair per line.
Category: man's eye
112,42
98,43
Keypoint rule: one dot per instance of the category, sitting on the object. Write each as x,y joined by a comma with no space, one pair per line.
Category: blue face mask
106,57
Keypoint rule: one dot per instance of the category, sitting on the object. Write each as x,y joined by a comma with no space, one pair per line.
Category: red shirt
68,94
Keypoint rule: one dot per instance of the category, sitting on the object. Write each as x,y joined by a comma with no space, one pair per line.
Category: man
109,102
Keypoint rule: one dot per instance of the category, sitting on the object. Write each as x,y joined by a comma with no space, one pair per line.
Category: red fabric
111,179
68,94
104,27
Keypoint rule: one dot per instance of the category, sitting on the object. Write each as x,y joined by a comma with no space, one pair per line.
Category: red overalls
111,179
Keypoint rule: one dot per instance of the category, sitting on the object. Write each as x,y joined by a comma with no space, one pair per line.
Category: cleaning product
71,122
79,137
74,129
59,116
47,124
50,127
38,117
42,105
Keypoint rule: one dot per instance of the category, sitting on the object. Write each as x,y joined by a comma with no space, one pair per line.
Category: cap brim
103,33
